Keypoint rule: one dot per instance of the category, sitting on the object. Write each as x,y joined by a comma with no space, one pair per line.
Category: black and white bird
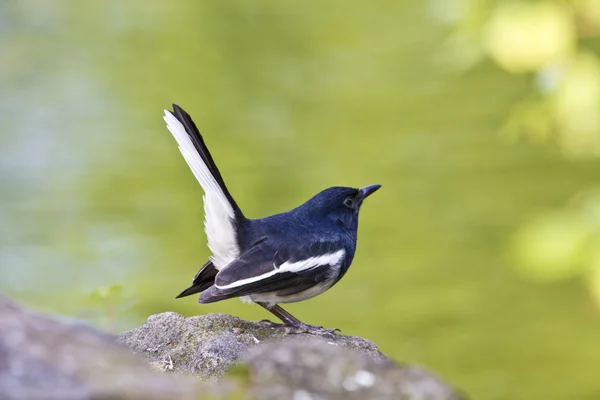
284,258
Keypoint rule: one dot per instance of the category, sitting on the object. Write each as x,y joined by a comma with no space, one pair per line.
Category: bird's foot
312,330
301,328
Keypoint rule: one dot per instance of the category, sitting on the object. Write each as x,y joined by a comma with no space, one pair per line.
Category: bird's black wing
283,270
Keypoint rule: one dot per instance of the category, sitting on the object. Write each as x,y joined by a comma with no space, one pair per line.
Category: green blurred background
480,118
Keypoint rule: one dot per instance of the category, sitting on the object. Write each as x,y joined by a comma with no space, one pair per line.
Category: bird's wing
221,211
285,271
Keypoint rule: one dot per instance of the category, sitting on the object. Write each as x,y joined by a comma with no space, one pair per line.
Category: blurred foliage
563,244
104,305
550,41
295,97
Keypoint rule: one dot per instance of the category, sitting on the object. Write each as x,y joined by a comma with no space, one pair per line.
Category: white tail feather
218,212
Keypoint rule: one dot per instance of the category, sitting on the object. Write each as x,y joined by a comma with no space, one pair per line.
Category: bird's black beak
366,192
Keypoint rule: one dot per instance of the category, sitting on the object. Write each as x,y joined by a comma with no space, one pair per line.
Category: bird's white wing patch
333,259
218,212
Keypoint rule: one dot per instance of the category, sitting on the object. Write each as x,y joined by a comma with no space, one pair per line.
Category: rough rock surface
314,369
276,365
53,358
208,345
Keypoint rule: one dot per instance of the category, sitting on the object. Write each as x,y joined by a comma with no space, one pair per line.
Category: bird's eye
349,202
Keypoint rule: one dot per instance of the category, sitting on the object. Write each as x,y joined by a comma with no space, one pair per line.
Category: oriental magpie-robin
284,258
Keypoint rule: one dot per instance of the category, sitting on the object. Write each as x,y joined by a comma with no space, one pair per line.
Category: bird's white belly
273,298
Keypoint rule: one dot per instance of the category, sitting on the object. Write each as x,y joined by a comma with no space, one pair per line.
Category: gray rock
53,358
276,365
208,345
315,369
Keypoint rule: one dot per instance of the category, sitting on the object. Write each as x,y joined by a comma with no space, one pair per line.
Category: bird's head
341,204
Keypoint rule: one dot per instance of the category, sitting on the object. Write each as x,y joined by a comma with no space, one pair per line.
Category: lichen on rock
208,345
212,357
276,365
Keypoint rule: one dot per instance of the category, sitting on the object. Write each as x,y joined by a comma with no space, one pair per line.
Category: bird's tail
196,154
202,281
223,215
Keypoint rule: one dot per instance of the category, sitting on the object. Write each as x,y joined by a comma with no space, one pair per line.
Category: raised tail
222,214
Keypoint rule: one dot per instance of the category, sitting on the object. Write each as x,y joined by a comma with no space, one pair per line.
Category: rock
53,358
315,369
208,345
276,365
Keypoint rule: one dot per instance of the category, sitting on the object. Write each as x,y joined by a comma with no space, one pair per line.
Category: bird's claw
300,328
325,331
314,330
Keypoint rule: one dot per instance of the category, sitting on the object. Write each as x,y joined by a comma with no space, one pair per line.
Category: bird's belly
273,298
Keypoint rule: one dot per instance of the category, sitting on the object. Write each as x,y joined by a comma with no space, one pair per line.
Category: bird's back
297,227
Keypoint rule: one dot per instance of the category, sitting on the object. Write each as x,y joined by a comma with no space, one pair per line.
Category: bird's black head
341,204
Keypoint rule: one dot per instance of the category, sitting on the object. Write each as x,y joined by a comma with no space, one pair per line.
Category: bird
283,258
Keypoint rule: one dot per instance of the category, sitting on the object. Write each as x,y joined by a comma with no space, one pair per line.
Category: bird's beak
366,192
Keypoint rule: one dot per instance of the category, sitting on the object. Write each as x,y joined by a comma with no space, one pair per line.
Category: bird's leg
292,324
288,319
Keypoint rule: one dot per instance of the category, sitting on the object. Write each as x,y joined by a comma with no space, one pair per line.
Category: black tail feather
198,141
204,279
